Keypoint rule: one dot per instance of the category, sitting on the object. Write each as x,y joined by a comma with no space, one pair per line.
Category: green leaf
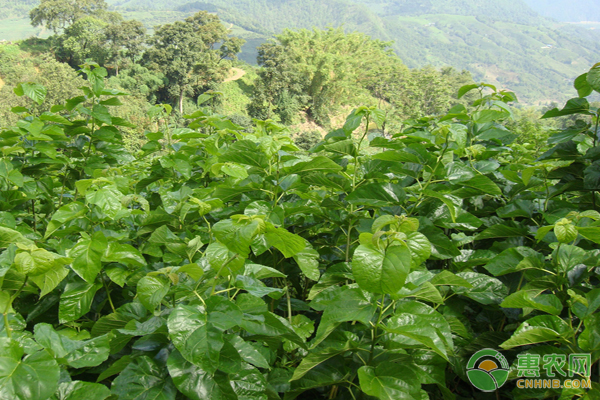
151,290
8,236
34,91
108,199
565,231
581,84
49,280
515,259
317,164
124,254
448,278
38,261
76,353
568,257
33,377
87,255
574,106
501,231
419,246
466,89
377,195
66,213
590,233
76,300
234,170
236,235
485,289
248,352
143,379
380,271
308,261
416,325
347,305
543,328
196,383
198,341
390,381
288,243
533,299
79,390
593,77
269,325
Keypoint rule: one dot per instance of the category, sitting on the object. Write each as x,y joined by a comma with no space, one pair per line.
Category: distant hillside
504,42
567,10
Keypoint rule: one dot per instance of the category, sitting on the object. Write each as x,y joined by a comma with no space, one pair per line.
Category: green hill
505,42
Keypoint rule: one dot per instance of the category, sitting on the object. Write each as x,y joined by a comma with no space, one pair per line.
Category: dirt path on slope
1,83
238,73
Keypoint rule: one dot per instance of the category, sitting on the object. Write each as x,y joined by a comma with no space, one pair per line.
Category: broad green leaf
87,255
234,170
79,390
143,379
49,280
565,231
543,328
269,325
377,195
248,352
198,341
196,383
390,381
34,91
308,261
317,164
568,257
151,290
485,290
533,299
448,278
589,339
76,300
237,235
262,271
254,286
347,305
37,262
582,85
501,231
419,246
380,271
515,259
124,254
222,260
590,233
66,213
415,324
8,236
108,199
76,353
574,106
33,377
593,77
288,243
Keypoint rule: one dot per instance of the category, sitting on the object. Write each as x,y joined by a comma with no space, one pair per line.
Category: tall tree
59,14
191,53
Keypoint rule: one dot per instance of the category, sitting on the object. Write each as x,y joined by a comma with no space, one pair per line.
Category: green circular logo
487,370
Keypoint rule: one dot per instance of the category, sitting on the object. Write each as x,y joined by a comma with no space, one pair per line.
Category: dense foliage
222,262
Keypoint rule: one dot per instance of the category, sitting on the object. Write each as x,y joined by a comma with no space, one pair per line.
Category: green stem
8,306
112,306
289,303
375,330
219,273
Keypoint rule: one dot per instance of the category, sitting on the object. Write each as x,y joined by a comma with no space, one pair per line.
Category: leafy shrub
224,264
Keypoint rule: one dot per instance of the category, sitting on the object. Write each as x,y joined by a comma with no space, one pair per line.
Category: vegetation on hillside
223,262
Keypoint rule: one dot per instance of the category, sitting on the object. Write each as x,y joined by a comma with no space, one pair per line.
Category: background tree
191,53
125,41
59,14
